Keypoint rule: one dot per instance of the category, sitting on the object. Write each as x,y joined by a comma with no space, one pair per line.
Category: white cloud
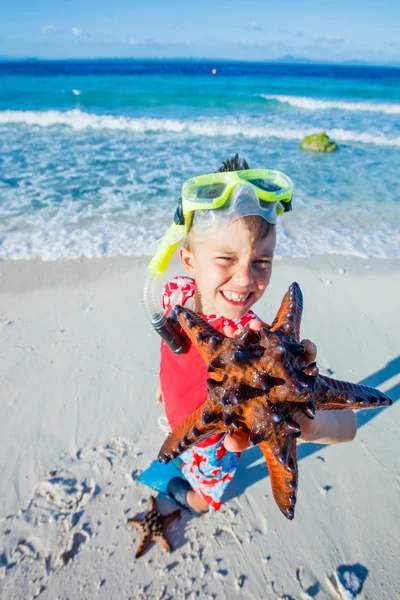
254,26
134,41
75,31
251,44
310,40
48,29
176,43
332,39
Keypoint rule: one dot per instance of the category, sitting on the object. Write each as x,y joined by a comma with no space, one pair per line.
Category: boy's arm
329,427
159,394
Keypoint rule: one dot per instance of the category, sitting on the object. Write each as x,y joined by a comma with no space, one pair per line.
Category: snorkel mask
210,203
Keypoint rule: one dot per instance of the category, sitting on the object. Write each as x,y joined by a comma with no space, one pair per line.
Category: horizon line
301,61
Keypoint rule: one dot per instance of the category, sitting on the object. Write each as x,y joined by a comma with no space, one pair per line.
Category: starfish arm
332,394
135,524
187,434
288,317
144,544
283,477
163,541
209,341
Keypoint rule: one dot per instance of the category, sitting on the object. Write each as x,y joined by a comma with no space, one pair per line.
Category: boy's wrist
309,428
328,427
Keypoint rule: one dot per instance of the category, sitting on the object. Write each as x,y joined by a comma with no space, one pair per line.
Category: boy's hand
239,441
159,395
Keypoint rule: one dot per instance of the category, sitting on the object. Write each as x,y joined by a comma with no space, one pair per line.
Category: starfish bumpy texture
153,527
259,384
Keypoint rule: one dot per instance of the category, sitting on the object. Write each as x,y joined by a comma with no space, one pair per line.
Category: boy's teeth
235,297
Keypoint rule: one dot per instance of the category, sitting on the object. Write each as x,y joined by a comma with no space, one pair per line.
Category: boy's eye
224,258
262,263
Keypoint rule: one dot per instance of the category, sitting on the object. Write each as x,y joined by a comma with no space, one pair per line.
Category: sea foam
317,104
296,239
210,127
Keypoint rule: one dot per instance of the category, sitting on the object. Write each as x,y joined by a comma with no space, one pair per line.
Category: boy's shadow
247,474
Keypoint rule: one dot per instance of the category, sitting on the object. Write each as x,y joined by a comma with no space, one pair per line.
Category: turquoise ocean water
93,153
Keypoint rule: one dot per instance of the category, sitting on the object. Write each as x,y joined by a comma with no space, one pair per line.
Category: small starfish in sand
153,527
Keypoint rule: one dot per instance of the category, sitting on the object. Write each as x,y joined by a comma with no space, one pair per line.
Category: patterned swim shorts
209,470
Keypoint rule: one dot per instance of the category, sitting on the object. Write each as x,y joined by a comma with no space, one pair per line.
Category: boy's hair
258,227
233,164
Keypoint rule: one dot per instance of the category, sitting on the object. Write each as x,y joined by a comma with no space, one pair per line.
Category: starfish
259,384
153,527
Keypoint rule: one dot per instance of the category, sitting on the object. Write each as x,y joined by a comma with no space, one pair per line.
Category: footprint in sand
48,533
78,538
110,453
347,581
62,498
58,497
239,582
26,551
310,587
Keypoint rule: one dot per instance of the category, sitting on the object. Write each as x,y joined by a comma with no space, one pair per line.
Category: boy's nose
244,275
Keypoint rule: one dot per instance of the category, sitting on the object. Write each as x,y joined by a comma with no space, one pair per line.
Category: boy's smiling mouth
236,298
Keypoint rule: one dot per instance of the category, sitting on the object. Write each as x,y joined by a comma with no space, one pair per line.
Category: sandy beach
78,371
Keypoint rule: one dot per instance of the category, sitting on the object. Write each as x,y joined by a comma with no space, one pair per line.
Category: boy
228,255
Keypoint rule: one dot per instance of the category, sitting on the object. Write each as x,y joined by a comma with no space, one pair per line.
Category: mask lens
265,204
267,185
204,193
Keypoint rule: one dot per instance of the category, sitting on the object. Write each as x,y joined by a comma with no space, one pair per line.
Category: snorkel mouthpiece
157,317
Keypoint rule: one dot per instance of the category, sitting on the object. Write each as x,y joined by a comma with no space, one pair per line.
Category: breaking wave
316,104
211,127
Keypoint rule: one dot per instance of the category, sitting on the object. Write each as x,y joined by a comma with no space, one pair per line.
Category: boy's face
231,271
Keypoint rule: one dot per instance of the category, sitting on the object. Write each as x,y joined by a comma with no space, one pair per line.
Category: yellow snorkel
156,269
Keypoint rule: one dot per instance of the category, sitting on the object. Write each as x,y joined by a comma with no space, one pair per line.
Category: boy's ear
187,259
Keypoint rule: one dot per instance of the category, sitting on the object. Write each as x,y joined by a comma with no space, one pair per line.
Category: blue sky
244,30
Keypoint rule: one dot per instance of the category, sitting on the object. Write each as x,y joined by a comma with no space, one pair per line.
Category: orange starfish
259,385
153,527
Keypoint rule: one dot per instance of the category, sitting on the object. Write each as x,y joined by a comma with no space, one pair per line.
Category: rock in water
318,142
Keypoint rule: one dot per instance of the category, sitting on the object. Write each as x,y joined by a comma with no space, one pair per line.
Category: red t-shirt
183,376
